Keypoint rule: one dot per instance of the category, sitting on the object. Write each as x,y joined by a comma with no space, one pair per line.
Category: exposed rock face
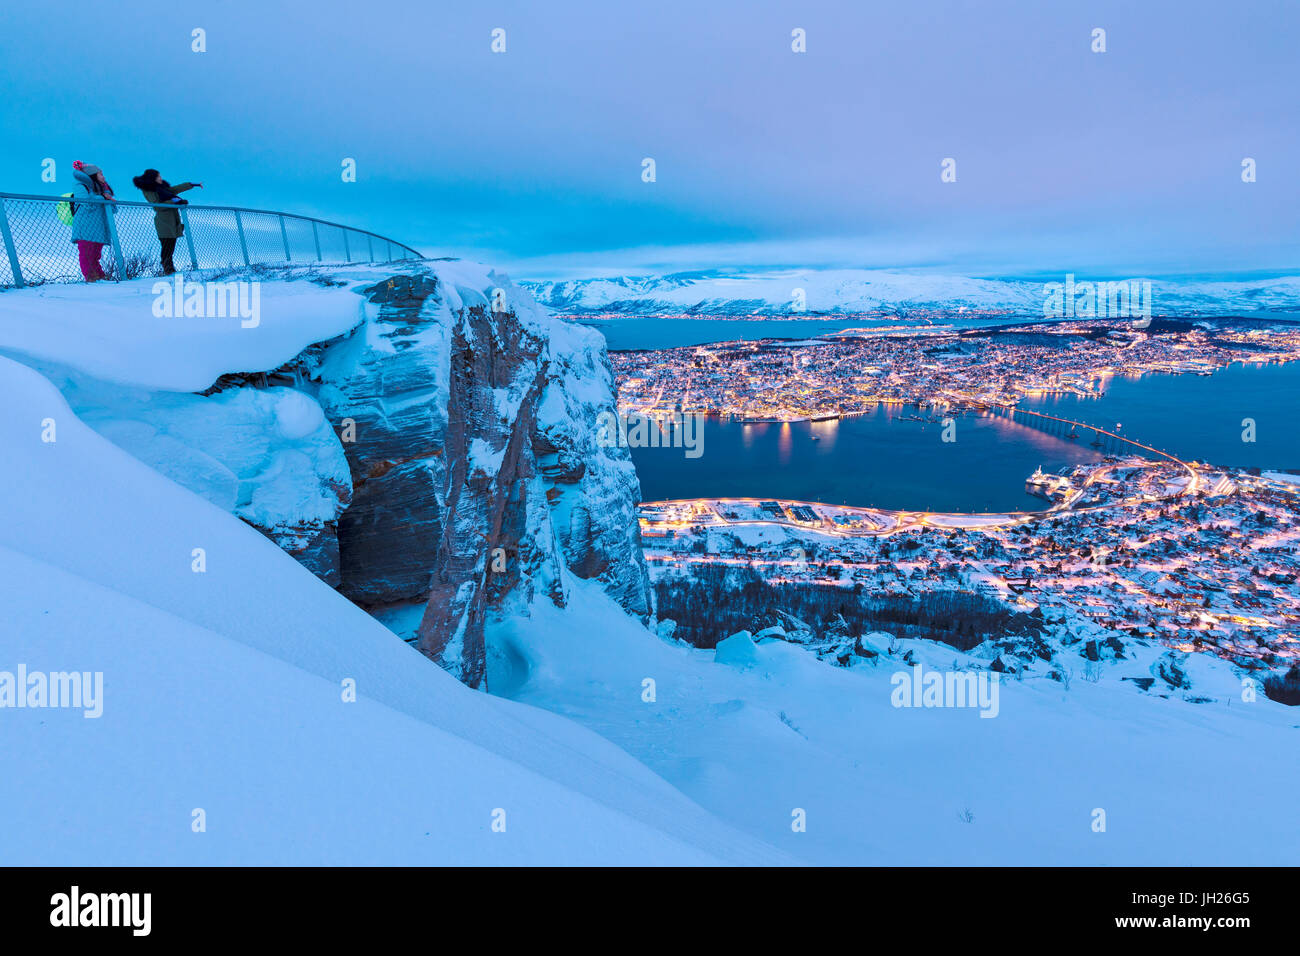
384,389
593,489
468,417
315,547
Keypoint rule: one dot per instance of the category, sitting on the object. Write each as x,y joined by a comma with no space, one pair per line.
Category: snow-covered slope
1178,782
224,692
853,291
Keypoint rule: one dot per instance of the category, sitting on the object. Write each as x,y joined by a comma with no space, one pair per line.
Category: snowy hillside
223,691
853,291
756,737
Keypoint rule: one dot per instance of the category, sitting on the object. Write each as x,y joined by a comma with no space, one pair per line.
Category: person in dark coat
90,219
167,222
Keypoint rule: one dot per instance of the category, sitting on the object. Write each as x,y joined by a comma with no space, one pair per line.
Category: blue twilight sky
1127,161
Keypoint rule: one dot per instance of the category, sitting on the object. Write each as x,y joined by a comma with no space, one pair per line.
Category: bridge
38,245
1108,441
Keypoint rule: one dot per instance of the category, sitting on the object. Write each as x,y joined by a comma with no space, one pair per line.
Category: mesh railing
37,236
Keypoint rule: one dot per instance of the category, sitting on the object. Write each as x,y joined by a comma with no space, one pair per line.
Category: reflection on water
785,443
826,432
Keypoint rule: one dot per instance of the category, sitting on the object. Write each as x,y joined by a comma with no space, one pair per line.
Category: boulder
738,650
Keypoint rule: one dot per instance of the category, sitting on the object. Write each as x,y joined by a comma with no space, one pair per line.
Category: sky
1127,162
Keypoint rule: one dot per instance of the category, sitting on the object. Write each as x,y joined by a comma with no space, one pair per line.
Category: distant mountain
856,291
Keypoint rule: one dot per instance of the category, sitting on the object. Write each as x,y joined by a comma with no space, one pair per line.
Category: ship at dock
1044,484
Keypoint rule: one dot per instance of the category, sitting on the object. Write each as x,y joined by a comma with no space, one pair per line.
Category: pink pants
88,256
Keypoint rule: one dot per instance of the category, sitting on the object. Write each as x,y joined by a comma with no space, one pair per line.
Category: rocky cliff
432,455
467,414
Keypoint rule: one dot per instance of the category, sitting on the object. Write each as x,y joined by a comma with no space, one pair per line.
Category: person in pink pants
88,254
90,219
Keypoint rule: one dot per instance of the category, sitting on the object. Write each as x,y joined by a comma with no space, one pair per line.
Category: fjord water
669,332
878,460
884,460
1200,416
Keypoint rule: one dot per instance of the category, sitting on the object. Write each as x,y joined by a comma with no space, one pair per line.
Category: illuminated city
1137,545
855,371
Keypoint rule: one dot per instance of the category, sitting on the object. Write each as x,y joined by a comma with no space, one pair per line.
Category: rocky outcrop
589,484
384,389
433,452
467,415
441,453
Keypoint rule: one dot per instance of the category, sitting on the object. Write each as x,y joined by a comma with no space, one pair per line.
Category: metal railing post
243,243
189,240
9,245
119,272
284,234
347,250
370,248
388,250
315,235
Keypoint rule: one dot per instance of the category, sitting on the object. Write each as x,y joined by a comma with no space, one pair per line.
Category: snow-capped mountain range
856,291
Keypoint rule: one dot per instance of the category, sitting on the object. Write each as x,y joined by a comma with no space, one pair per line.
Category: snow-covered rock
416,437
473,442
738,650
267,455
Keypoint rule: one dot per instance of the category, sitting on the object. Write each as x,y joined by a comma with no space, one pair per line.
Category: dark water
1196,416
632,333
882,460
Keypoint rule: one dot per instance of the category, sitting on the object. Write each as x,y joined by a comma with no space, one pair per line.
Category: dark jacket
167,222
